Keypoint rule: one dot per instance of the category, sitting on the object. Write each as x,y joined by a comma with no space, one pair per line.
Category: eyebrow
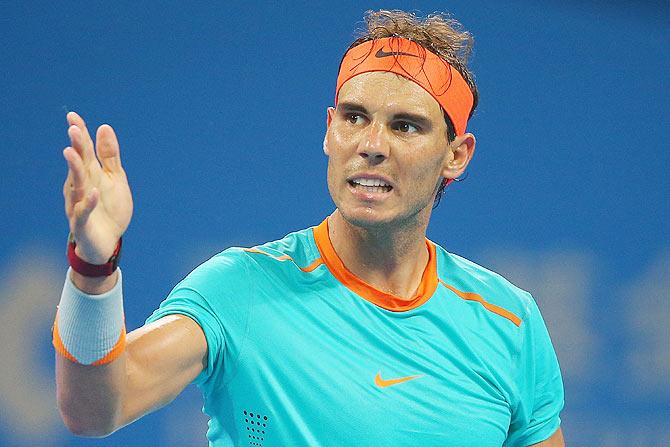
420,120
348,107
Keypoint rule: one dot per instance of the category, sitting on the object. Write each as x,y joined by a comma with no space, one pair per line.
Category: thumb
108,148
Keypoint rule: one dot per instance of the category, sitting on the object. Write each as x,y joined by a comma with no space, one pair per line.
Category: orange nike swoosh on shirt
384,383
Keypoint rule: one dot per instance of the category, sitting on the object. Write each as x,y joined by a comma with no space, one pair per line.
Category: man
358,331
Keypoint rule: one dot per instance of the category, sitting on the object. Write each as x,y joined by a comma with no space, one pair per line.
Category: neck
390,258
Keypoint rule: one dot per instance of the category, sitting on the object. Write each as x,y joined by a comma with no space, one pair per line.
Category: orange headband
416,63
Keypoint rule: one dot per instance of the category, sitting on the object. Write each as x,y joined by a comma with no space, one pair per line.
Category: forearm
90,398
160,359
94,286
104,382
89,337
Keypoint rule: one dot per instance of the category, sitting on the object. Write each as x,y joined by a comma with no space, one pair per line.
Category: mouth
369,185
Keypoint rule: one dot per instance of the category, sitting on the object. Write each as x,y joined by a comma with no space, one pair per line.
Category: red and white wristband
90,329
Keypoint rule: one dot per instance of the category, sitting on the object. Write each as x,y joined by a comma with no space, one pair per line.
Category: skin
556,440
389,126
384,125
161,358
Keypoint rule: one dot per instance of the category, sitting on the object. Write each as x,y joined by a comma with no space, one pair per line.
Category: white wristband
90,329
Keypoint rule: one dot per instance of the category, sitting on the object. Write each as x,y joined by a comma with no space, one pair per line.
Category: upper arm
538,394
556,440
193,333
162,357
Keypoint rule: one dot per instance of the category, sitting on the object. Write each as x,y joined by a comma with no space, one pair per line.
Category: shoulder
237,264
468,276
223,271
227,262
296,249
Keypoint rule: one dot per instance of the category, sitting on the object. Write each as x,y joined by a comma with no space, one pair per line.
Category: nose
374,145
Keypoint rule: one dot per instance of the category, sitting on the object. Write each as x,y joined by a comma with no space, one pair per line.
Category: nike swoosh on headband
416,63
381,53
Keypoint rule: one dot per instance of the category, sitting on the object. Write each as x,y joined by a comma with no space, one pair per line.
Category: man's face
388,149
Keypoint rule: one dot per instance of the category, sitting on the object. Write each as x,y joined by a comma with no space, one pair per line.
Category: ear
460,153
330,111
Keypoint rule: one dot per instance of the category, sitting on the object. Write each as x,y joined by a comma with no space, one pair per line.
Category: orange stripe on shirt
317,262
470,296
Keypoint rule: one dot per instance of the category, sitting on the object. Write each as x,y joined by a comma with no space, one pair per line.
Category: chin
381,217
369,217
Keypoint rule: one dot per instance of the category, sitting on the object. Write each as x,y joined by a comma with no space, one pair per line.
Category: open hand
98,202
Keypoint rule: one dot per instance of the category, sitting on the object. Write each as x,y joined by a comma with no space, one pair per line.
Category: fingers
85,167
80,198
89,161
75,185
83,144
108,148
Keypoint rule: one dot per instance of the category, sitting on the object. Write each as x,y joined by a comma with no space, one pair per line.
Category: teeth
371,185
369,182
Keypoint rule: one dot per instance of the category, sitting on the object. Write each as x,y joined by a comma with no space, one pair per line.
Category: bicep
162,358
556,440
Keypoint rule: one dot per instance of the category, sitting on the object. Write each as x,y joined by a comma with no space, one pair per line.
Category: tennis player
357,331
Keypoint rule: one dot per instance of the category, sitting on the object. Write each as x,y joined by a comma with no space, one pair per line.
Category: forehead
377,90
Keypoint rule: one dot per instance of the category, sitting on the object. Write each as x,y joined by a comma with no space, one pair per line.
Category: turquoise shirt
303,353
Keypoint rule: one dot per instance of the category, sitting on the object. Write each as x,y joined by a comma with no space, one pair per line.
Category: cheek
335,169
334,180
423,164
342,137
338,142
339,150
425,175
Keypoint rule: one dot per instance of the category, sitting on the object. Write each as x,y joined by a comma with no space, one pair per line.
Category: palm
98,201
112,214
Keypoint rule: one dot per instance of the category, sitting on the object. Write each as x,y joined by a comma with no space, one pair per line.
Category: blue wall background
220,110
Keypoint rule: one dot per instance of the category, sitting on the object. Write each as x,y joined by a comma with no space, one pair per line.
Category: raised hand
98,202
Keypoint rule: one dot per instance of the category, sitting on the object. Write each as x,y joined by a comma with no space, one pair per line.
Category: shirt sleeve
217,296
535,414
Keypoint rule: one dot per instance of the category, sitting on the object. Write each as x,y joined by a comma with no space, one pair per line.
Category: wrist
85,268
94,285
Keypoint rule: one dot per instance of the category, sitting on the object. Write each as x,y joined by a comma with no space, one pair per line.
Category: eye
355,118
405,127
